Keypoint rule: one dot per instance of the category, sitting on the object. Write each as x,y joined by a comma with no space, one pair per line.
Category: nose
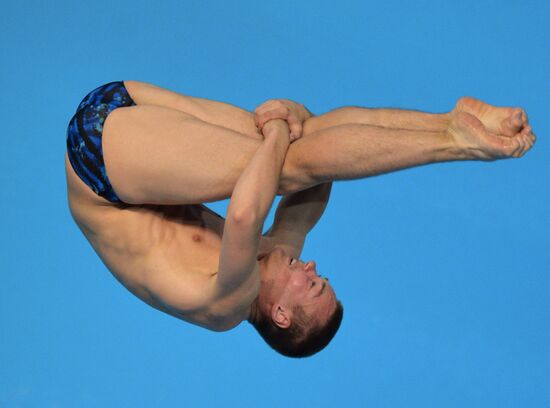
311,266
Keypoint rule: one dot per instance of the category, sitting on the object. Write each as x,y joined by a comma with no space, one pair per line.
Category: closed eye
322,289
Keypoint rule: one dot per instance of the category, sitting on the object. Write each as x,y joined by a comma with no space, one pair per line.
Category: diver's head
296,312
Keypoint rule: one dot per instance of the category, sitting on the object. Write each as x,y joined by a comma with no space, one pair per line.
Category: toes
531,138
513,123
530,143
526,145
507,146
517,118
527,141
520,143
528,132
515,146
521,146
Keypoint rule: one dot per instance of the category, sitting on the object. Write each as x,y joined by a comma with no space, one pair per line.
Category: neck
257,307
254,311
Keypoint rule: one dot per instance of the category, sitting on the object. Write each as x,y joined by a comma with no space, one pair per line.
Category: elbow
244,216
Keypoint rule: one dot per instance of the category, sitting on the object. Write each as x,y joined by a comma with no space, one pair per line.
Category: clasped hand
292,112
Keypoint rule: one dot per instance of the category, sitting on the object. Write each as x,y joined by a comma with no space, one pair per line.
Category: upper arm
238,255
172,292
194,299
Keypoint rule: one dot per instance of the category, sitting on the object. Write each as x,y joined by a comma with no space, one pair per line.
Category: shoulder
227,309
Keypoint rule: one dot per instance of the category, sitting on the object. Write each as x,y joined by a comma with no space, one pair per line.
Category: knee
296,175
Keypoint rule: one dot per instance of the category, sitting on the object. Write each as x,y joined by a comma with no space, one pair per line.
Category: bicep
238,256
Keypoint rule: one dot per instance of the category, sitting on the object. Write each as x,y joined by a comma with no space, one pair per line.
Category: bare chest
188,236
136,243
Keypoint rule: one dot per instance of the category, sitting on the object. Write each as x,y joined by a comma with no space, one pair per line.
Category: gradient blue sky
444,270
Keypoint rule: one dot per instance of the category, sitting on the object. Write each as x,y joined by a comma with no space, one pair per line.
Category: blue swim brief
84,136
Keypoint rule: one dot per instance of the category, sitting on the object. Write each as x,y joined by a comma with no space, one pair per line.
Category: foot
477,142
502,121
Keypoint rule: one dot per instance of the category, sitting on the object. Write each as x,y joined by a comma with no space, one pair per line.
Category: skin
169,251
289,282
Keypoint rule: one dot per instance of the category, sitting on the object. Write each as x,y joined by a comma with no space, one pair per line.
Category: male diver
141,160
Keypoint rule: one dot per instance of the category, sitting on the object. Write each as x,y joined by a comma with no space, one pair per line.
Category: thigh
158,155
214,112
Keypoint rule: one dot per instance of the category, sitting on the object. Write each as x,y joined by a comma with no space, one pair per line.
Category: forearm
250,202
257,186
300,211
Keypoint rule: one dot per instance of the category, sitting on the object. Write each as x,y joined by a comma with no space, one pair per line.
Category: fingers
295,125
272,109
279,109
265,117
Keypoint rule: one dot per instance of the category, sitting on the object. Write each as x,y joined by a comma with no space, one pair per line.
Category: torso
137,243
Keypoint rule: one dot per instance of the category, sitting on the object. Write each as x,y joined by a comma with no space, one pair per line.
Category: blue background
443,269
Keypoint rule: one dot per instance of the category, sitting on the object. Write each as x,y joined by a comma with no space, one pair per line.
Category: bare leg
158,155
176,151
495,119
500,120
388,118
220,114
354,151
242,121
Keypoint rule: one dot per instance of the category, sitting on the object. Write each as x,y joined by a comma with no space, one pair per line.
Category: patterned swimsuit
84,133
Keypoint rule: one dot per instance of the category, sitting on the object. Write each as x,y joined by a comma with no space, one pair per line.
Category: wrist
276,128
279,141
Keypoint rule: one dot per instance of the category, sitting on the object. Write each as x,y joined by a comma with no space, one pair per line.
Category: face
296,283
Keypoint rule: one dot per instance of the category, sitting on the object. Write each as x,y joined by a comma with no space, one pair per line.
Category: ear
281,316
